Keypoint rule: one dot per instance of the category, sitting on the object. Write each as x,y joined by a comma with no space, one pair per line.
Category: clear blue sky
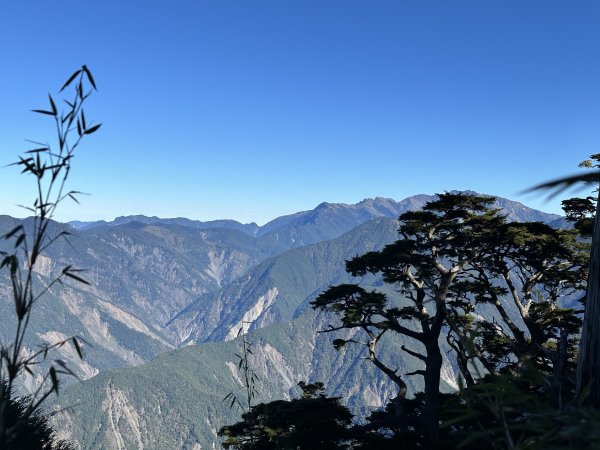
253,109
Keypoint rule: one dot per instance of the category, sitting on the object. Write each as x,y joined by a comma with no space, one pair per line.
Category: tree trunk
560,364
433,367
588,364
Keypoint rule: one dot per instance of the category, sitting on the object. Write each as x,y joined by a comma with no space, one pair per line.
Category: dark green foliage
26,429
516,412
455,256
580,212
311,422
438,246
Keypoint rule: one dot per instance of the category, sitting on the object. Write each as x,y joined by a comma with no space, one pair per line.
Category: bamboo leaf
53,106
19,240
77,347
72,197
70,80
53,378
559,185
14,231
88,74
38,150
75,277
66,117
42,111
66,369
93,129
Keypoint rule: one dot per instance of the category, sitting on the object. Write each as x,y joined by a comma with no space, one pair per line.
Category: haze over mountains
161,284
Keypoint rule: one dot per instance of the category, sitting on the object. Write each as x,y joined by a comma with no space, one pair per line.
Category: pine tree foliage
312,421
27,430
453,258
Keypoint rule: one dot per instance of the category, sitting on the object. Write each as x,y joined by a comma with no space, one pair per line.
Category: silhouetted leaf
38,150
77,347
93,129
67,116
65,368
559,185
72,197
70,80
42,111
72,273
89,76
53,378
14,231
19,240
52,105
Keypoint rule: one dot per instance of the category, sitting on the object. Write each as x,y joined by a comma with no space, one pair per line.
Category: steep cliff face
260,308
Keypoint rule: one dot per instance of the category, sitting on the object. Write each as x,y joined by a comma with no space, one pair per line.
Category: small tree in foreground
50,167
313,421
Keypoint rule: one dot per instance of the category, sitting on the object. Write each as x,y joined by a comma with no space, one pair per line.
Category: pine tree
311,422
438,245
455,257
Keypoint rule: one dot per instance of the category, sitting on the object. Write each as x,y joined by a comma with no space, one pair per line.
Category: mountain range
167,298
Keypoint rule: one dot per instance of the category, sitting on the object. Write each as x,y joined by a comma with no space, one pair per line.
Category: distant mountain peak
248,228
366,209
325,205
371,200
